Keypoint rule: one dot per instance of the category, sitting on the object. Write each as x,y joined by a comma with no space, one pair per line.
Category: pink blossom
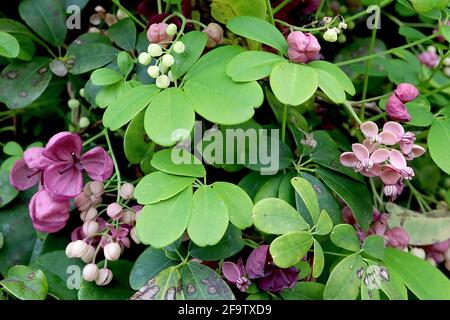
370,131
405,140
48,215
364,162
303,47
157,33
397,238
429,59
406,92
396,110
119,235
63,179
235,273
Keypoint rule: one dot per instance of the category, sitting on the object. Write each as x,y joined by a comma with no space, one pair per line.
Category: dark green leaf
123,33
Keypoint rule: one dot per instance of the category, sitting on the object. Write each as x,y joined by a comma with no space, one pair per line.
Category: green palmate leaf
445,31
419,109
151,262
117,289
108,94
276,216
336,73
319,260
331,86
27,47
308,195
123,33
269,189
394,288
344,236
105,76
343,283
238,203
224,10
199,282
209,219
9,46
423,6
57,269
252,182
259,30
163,223
91,56
293,84
21,83
172,162
369,294
47,18
170,117
424,280
13,27
228,246
304,291
373,245
12,148
135,141
324,224
195,43
158,186
290,248
164,286
128,105
285,191
125,63
25,283
410,34
354,194
214,95
252,65
438,142
7,166
7,191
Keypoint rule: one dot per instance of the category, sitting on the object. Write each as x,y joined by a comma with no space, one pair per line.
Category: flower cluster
395,106
97,234
58,169
396,237
373,158
331,35
260,267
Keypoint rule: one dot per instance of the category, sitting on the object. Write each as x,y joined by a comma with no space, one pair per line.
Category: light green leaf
438,142
25,283
259,30
319,260
373,245
195,42
324,224
293,84
337,74
394,288
308,195
304,291
331,87
158,186
12,148
419,109
105,76
269,189
209,219
275,216
9,46
290,248
190,167
162,223
135,141
123,33
125,63
445,31
344,236
224,10
252,65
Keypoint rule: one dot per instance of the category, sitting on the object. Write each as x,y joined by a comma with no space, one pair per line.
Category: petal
374,172
369,129
256,262
348,159
231,271
389,175
62,182
360,151
370,146
397,159
388,138
417,151
47,214
61,146
395,128
97,163
34,158
406,147
380,155
22,177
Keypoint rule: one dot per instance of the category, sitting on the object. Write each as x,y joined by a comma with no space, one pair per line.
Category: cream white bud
330,35
447,71
84,122
104,277
144,58
90,272
167,60
418,252
73,103
153,71
112,251
134,236
121,14
128,217
90,228
179,47
126,191
162,81
114,210
447,61
171,29
79,248
69,250
89,256
155,50
97,188
342,25
82,92
431,49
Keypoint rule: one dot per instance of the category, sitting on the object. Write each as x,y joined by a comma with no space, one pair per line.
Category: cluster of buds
396,237
101,15
331,35
160,36
376,157
435,254
96,234
395,106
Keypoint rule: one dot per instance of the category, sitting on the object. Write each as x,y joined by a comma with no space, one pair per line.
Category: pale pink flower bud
215,35
104,277
397,238
87,190
406,92
126,191
134,236
82,202
79,248
429,59
96,187
90,272
69,248
90,228
128,217
418,252
89,256
303,47
114,210
112,251
89,214
157,33
396,110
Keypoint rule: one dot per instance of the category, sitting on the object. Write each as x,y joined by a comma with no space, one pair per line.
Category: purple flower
406,92
362,161
63,179
270,278
405,140
236,274
397,238
119,235
303,47
429,59
48,215
396,110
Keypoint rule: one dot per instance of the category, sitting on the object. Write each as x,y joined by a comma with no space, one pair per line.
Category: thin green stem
306,29
364,12
269,12
159,6
437,90
168,3
250,243
280,6
366,73
116,166
438,67
319,10
370,99
204,26
377,117
352,112
117,2
283,123
382,53
98,135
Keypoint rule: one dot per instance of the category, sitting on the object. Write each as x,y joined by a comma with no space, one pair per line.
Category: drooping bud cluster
395,107
331,35
376,157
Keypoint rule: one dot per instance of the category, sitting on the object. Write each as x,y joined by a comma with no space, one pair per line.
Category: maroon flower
235,273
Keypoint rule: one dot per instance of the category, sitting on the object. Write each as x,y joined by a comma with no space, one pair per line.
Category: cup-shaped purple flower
303,47
48,215
157,33
235,273
396,110
406,92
